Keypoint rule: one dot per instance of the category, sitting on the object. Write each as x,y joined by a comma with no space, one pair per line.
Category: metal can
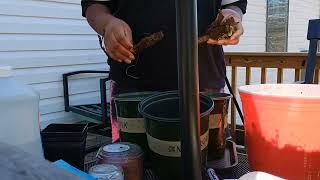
126,155
106,172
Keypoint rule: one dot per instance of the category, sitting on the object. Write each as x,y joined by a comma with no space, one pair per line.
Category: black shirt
156,66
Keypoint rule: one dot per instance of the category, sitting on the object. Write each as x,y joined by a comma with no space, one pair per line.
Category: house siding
254,23
300,12
41,40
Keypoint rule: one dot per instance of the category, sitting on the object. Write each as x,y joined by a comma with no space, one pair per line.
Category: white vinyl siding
300,12
254,23
41,40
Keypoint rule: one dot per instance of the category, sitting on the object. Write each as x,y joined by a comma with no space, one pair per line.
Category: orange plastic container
282,129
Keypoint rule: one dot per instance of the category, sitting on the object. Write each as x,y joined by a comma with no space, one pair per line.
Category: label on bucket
172,148
131,125
215,120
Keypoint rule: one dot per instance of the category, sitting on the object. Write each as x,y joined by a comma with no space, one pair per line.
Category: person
123,23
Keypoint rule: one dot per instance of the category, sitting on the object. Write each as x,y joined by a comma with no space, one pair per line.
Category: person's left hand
235,38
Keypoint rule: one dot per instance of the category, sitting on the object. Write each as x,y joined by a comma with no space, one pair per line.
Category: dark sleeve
111,4
242,4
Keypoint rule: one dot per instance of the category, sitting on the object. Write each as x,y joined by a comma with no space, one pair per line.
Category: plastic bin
65,141
19,110
282,129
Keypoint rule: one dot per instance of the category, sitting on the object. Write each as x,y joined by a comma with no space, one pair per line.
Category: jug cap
5,71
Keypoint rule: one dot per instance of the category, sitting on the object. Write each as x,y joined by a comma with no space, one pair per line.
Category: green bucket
131,123
162,120
218,125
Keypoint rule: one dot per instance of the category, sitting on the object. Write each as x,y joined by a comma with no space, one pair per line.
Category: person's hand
235,38
118,40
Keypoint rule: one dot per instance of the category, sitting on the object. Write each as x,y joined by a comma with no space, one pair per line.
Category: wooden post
280,75
316,76
263,75
248,75
297,75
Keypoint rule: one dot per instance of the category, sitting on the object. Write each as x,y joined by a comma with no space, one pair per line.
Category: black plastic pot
131,123
163,126
218,125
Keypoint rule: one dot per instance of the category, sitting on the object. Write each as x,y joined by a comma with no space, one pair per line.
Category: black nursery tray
231,166
228,161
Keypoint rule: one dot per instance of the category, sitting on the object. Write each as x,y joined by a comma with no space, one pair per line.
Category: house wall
299,14
43,39
254,23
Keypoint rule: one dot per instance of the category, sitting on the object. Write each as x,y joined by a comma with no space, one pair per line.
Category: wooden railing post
248,75
280,75
263,75
316,76
297,75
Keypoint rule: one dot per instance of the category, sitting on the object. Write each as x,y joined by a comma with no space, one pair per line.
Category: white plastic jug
19,114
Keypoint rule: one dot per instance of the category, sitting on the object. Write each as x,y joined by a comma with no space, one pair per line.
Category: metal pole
312,61
314,37
187,46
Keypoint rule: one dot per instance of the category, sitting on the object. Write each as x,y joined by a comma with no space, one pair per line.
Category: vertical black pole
103,97
187,44
312,61
314,37
66,93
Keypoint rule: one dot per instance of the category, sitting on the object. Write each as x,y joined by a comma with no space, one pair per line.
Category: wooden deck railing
281,61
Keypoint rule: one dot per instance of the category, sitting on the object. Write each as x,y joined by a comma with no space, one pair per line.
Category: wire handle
235,100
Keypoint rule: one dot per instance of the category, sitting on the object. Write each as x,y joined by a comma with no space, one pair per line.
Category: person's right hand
118,40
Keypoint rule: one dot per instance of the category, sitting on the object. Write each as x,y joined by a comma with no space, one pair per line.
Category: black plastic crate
65,132
65,141
71,152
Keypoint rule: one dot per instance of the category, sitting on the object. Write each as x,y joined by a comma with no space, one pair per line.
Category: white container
259,176
19,114
106,172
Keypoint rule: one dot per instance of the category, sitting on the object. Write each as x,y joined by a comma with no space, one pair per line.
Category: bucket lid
134,96
297,91
5,71
123,150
